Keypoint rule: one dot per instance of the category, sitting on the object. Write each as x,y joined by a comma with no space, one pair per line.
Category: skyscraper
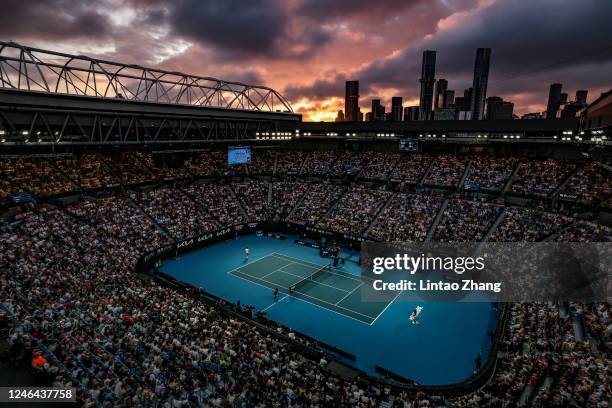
428,74
479,86
397,110
554,101
498,109
441,87
462,105
449,99
581,96
378,111
351,101
411,113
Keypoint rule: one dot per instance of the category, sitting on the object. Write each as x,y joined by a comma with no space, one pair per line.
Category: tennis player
246,253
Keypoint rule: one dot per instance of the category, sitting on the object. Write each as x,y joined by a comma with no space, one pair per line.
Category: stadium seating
67,286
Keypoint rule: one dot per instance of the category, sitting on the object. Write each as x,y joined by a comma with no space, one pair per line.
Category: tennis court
320,285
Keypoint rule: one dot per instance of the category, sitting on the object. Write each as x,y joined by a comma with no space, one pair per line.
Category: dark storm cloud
325,9
251,26
522,39
239,29
319,89
51,20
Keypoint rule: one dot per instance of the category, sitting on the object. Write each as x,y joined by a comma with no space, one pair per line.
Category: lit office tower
351,101
554,101
441,87
581,96
428,80
479,86
397,110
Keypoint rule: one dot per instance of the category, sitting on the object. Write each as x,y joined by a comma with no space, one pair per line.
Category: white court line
278,301
274,271
307,278
306,263
250,263
349,293
314,265
298,261
386,307
313,297
303,300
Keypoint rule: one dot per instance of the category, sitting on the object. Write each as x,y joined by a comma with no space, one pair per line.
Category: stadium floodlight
1,132
25,132
3,140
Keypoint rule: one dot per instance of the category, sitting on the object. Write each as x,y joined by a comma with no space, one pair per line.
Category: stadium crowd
83,319
541,177
490,173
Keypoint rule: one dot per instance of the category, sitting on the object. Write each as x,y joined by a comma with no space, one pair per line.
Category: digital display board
238,155
409,145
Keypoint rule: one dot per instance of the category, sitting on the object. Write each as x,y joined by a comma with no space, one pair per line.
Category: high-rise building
581,96
378,110
351,101
444,114
479,85
570,110
397,110
441,87
498,109
463,105
360,116
368,117
428,79
411,113
340,116
449,99
554,101
388,116
562,98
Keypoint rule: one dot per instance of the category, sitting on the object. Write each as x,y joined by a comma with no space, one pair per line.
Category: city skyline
308,49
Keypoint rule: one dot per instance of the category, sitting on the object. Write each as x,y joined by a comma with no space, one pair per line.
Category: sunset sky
306,49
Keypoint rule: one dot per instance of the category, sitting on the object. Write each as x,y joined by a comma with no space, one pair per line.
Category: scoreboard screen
238,155
409,145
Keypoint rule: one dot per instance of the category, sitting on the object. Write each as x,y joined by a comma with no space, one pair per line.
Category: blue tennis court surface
326,304
321,285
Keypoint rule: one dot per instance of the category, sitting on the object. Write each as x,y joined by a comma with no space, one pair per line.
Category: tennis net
310,278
